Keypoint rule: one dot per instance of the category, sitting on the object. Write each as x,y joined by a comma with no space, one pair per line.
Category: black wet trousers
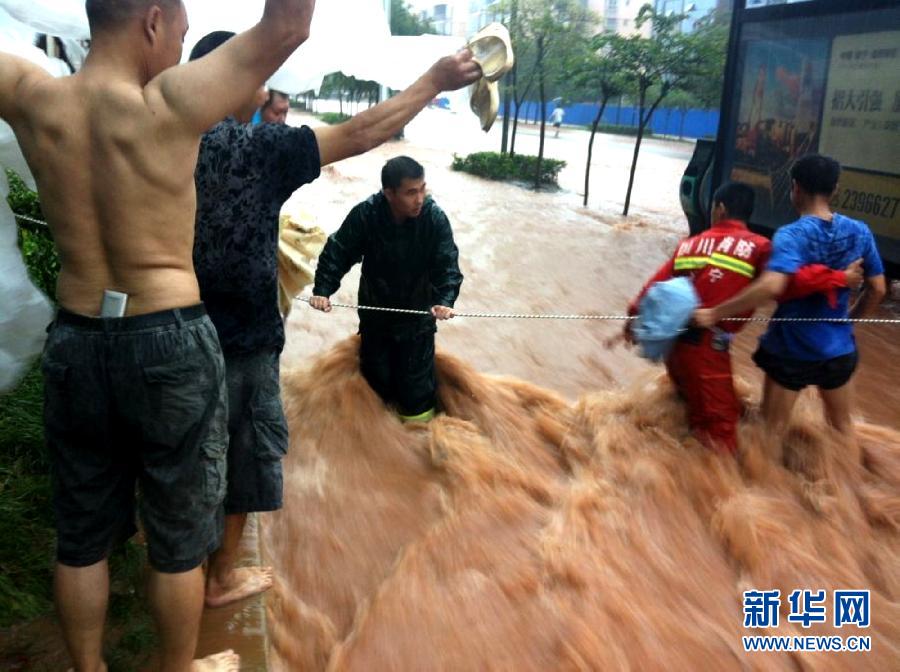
400,369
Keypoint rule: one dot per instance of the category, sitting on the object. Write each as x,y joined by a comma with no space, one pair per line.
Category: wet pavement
241,626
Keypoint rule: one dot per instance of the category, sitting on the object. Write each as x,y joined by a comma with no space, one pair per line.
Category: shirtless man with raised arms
138,397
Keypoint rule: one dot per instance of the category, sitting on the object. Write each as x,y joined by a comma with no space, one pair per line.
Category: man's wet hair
105,14
398,169
210,43
738,199
816,174
273,94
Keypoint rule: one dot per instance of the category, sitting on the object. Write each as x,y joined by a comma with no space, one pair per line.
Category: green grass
133,636
26,525
27,538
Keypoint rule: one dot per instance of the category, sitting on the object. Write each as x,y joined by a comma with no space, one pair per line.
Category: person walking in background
556,118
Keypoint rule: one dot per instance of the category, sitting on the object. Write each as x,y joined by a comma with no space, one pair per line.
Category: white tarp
350,36
24,311
63,18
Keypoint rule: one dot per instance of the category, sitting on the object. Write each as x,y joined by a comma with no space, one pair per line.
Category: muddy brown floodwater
557,516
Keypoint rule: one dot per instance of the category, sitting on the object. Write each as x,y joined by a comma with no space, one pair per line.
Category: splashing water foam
521,532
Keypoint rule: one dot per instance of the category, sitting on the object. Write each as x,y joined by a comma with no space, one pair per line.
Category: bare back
116,182
114,147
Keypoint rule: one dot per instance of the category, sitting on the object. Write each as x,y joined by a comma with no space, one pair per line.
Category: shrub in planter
332,118
518,167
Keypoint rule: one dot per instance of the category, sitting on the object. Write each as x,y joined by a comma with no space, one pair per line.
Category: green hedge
518,167
35,240
333,118
613,129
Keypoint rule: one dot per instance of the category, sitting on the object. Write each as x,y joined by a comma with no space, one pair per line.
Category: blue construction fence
665,121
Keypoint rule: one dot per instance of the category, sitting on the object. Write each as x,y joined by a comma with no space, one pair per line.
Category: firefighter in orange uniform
721,262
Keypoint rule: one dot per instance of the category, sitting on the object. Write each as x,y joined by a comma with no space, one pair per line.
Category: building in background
483,12
765,3
598,8
464,18
694,9
450,17
620,16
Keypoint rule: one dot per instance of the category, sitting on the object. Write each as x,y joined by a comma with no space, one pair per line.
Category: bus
808,76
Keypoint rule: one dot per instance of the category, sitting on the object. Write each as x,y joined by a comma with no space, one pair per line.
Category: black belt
692,336
718,340
162,318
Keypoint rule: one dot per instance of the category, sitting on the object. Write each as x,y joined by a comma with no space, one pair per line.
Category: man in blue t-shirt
795,355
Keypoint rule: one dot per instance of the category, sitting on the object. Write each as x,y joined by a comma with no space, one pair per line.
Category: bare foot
244,582
227,661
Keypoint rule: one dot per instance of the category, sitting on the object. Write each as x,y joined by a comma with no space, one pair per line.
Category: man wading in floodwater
244,176
822,354
137,397
721,262
409,260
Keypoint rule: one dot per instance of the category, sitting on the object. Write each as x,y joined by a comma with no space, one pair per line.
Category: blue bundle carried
664,313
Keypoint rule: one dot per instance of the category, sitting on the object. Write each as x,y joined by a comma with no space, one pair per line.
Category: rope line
32,220
621,318
555,316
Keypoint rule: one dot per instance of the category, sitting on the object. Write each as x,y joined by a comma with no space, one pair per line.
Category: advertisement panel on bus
817,76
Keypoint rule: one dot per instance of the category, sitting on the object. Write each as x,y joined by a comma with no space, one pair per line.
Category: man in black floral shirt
244,175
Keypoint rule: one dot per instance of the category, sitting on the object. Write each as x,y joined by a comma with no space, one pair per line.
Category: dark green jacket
411,265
